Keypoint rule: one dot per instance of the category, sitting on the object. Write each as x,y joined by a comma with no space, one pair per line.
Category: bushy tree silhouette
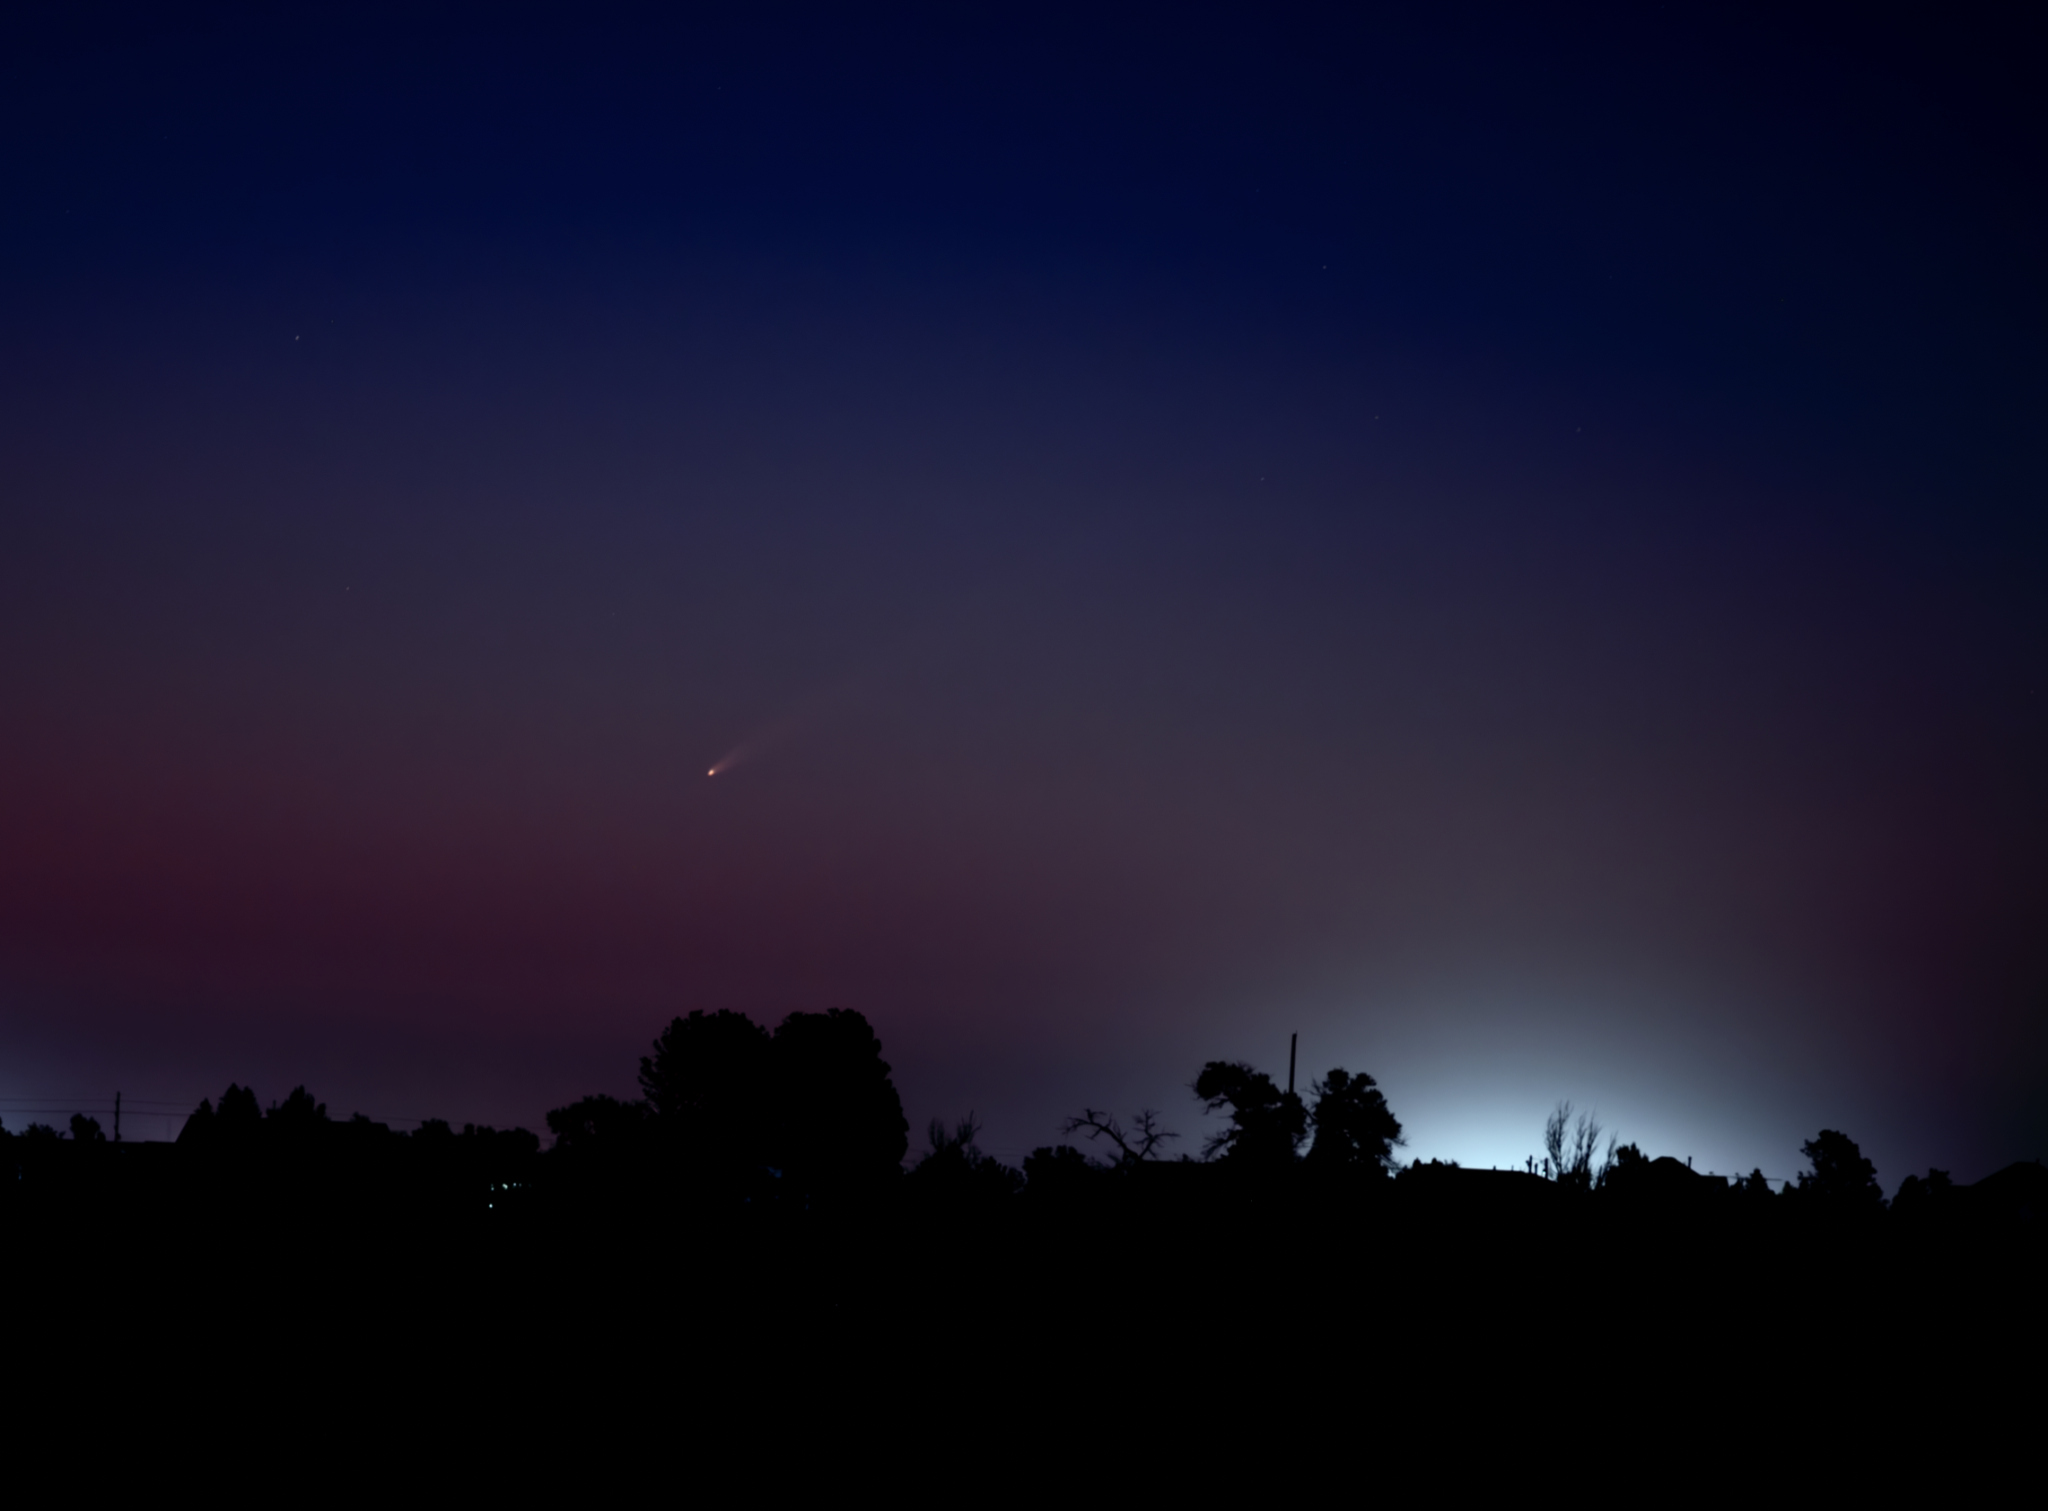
237,1120
1354,1128
1267,1124
838,1123
707,1084
1840,1181
805,1114
597,1127
1632,1175
298,1117
1921,1199
85,1130
30,1157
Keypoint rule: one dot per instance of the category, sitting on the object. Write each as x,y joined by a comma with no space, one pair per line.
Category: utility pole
117,1117
1292,1039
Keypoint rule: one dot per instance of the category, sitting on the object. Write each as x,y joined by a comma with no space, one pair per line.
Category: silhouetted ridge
802,1125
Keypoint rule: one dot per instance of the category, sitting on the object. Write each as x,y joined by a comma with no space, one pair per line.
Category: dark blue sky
1508,544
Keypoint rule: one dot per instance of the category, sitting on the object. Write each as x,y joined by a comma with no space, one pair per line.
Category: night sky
1510,545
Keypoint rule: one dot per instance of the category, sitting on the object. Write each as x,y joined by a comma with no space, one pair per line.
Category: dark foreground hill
1181,1323
1184,1261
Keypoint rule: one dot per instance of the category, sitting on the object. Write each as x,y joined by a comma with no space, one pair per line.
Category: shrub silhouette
953,1172
1059,1169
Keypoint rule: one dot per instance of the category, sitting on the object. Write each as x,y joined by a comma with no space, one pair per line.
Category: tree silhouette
1267,1124
804,1114
1571,1147
298,1117
238,1116
1841,1181
1630,1175
597,1127
837,1121
85,1130
1140,1144
707,1082
1919,1199
32,1154
198,1125
1354,1127
238,1119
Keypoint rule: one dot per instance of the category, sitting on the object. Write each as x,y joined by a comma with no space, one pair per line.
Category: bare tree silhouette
1140,1144
1571,1147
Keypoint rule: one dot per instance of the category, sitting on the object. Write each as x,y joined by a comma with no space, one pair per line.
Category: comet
806,714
